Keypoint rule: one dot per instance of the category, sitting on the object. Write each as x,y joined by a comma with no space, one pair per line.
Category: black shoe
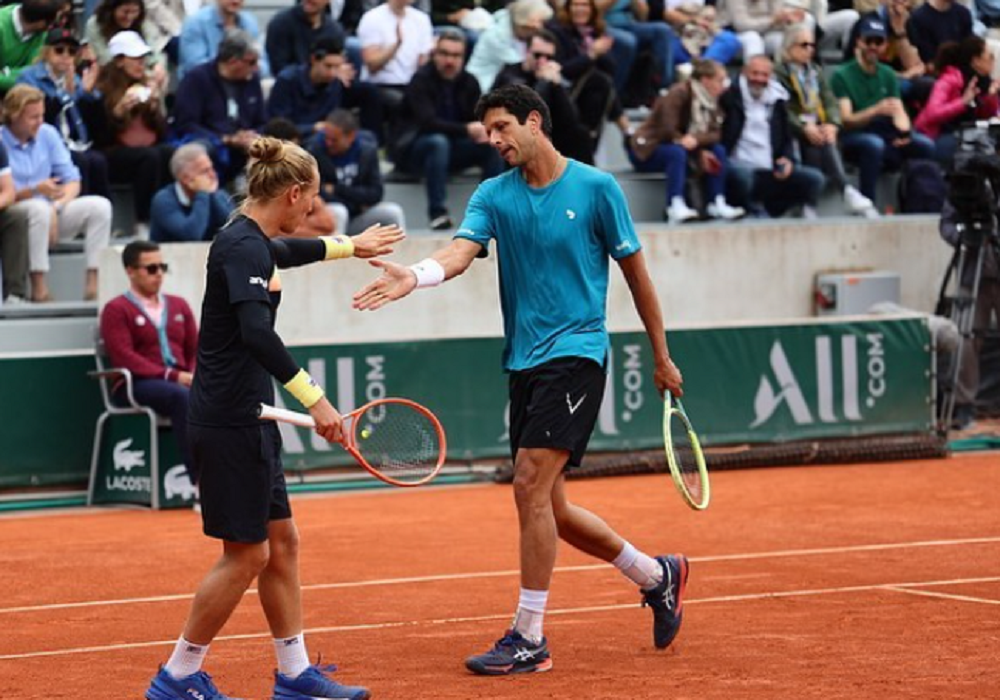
512,654
667,599
964,416
441,222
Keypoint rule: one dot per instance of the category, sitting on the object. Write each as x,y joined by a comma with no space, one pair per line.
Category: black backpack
922,188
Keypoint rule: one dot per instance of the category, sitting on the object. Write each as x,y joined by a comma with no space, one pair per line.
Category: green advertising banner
760,383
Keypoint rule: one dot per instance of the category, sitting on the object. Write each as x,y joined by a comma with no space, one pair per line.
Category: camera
974,182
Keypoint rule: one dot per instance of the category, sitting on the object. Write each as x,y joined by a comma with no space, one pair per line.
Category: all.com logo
781,386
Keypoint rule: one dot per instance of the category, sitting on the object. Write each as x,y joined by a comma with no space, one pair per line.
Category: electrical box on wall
853,293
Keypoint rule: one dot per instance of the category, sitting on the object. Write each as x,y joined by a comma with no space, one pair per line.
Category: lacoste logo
624,245
126,459
570,214
573,406
260,281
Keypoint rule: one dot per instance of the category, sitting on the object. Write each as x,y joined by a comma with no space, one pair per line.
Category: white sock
641,569
186,659
292,656
530,614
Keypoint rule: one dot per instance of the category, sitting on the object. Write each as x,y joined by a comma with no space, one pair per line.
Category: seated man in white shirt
396,40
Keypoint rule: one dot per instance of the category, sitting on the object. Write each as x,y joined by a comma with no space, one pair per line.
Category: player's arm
373,241
666,376
397,281
266,347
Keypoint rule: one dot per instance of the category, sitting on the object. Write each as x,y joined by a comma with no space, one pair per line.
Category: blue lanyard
161,327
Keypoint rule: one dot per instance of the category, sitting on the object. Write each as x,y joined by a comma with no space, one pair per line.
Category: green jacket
15,53
831,110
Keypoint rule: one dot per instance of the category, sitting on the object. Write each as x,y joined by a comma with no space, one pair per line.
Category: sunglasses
450,54
806,44
875,40
153,268
64,49
539,55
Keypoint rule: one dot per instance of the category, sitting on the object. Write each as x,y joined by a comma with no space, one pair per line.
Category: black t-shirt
229,383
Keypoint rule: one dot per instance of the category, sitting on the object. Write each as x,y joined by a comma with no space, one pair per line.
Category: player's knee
284,548
249,560
528,484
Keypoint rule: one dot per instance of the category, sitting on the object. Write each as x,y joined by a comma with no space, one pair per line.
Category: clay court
860,581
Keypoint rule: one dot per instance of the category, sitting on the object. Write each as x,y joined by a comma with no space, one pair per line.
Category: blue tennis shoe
511,654
666,600
313,684
197,686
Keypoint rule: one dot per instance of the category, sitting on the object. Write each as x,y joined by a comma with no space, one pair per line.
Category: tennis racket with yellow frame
684,454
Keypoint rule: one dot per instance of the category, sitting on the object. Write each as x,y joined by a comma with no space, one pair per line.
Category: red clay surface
867,581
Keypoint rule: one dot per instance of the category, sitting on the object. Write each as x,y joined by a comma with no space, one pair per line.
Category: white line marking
514,572
949,596
901,587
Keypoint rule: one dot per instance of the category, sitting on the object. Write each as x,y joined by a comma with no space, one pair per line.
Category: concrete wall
705,274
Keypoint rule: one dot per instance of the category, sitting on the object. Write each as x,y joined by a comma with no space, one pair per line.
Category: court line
897,587
751,556
949,596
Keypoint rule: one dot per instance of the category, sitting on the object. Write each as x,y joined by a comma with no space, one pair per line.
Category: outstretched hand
377,240
395,283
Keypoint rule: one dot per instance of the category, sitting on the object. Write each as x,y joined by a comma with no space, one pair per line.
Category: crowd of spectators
747,99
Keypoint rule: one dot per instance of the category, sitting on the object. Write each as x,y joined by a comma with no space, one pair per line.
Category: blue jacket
200,110
82,110
354,174
296,98
172,220
202,33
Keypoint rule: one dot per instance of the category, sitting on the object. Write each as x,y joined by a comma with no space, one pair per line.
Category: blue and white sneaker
197,686
313,684
667,599
512,654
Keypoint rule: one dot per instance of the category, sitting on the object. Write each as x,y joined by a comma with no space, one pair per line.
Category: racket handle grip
303,420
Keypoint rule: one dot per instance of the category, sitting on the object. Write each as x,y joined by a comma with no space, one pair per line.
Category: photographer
973,200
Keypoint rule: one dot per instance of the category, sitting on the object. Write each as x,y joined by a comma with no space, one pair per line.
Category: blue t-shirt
553,244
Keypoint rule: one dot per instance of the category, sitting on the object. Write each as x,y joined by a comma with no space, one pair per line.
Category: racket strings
398,441
684,454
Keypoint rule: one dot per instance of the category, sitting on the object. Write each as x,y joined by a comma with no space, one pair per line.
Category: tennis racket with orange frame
395,440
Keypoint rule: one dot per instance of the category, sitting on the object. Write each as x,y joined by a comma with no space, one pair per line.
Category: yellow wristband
338,247
304,388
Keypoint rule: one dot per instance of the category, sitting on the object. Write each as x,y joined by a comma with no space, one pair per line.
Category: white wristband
429,273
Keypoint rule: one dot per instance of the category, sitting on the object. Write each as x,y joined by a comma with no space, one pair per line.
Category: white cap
129,44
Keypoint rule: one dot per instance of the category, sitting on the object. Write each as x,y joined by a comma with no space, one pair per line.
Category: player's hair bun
267,150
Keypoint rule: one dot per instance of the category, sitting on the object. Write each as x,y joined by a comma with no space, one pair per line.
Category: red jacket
945,104
132,341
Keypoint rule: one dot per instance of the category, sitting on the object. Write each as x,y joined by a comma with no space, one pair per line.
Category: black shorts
242,483
555,405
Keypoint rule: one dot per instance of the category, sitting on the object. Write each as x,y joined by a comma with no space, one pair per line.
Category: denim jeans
436,155
724,48
753,188
672,159
655,36
874,154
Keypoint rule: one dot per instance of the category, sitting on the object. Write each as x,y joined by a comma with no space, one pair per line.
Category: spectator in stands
876,128
48,188
396,40
542,73
965,91
193,207
137,123
761,24
72,105
935,22
114,16
763,174
23,30
350,179
684,130
505,41
440,133
204,31
155,337
293,32
814,115
831,25
634,32
13,239
472,16
319,221
167,19
306,94
899,54
584,51
697,33
222,104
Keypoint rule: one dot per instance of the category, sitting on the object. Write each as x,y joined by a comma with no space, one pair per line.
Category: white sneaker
682,71
857,203
809,212
720,209
678,212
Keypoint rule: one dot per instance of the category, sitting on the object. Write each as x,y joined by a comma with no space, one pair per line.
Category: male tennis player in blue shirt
555,222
